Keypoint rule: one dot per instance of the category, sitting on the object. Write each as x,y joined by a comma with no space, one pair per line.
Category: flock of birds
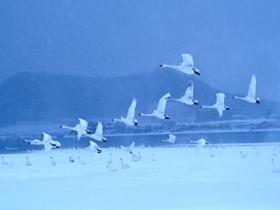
186,67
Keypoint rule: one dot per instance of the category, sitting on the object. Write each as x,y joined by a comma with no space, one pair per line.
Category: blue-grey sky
229,40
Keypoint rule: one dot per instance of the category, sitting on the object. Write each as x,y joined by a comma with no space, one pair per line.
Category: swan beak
195,103
88,131
135,123
104,140
258,102
196,72
166,117
227,108
161,65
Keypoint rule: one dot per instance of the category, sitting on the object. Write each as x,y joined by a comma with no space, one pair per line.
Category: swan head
161,65
258,100
166,117
104,139
196,71
195,102
88,131
227,108
135,122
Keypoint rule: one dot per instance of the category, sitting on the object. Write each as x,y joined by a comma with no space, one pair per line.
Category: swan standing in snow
188,97
47,142
27,162
251,96
130,118
94,147
212,154
110,164
71,159
98,135
160,111
187,66
243,155
81,128
219,105
200,142
171,140
275,169
135,157
80,161
3,162
154,158
124,165
129,148
53,163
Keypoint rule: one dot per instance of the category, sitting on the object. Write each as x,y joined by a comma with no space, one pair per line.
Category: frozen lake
165,178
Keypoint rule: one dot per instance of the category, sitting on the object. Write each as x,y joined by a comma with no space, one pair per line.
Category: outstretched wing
132,145
162,103
252,87
131,110
187,59
99,129
83,123
220,99
47,137
189,91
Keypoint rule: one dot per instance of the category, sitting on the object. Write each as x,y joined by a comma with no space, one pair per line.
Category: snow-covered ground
166,178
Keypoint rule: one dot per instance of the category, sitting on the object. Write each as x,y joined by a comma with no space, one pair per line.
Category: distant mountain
34,97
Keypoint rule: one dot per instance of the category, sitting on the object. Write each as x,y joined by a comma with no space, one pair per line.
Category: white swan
129,148
80,161
251,96
188,97
187,66
171,140
81,128
243,155
94,147
154,158
160,111
53,163
201,142
219,105
124,165
130,118
3,162
98,135
275,169
47,142
27,162
135,157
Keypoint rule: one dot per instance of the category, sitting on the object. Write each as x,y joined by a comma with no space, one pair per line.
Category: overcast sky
229,40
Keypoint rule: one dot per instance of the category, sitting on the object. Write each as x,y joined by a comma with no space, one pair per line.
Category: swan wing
189,91
99,129
252,87
220,99
83,123
187,59
131,110
162,103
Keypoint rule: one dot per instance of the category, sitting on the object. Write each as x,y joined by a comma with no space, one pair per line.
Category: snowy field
173,178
